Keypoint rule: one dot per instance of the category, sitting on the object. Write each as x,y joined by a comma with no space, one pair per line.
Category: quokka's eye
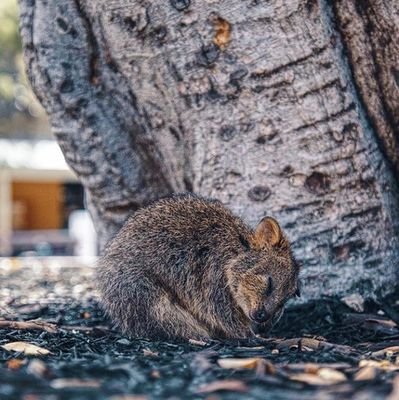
297,292
269,289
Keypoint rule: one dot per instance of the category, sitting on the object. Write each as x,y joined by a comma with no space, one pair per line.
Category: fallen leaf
322,376
367,373
229,385
26,348
331,375
15,363
384,365
238,363
62,383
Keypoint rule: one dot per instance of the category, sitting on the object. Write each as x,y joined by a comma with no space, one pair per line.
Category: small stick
29,325
48,326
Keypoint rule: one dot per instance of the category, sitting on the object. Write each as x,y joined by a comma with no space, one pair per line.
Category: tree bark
285,108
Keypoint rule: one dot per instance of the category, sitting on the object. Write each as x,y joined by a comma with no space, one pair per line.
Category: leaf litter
321,349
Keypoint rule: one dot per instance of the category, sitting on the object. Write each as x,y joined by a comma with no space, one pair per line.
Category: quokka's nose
259,316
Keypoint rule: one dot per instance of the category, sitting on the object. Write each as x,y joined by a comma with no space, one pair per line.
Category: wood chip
226,385
26,348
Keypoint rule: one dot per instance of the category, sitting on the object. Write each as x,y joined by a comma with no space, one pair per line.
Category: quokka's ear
268,233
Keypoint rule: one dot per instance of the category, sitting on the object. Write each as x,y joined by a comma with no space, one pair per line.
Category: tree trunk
285,108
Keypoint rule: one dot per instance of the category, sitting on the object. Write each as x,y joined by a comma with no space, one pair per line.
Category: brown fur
186,267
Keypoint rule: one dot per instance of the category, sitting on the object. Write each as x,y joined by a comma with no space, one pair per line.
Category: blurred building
41,202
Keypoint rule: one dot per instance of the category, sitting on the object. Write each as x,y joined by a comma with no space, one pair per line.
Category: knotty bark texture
285,108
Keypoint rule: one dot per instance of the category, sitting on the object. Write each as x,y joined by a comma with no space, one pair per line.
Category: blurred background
42,207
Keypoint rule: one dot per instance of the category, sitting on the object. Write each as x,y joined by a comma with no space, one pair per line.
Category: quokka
186,267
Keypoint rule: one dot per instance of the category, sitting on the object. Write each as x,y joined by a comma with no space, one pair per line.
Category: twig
29,325
48,326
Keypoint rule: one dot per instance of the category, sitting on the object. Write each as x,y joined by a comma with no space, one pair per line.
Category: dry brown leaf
62,383
365,374
311,368
331,375
239,363
26,348
384,365
228,384
322,376
15,363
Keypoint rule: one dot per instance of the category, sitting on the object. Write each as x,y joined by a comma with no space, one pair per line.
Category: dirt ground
322,350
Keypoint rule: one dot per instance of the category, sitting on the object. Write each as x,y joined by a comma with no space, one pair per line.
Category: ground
321,350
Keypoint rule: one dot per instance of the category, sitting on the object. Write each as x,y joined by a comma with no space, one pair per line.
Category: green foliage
10,42
16,97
